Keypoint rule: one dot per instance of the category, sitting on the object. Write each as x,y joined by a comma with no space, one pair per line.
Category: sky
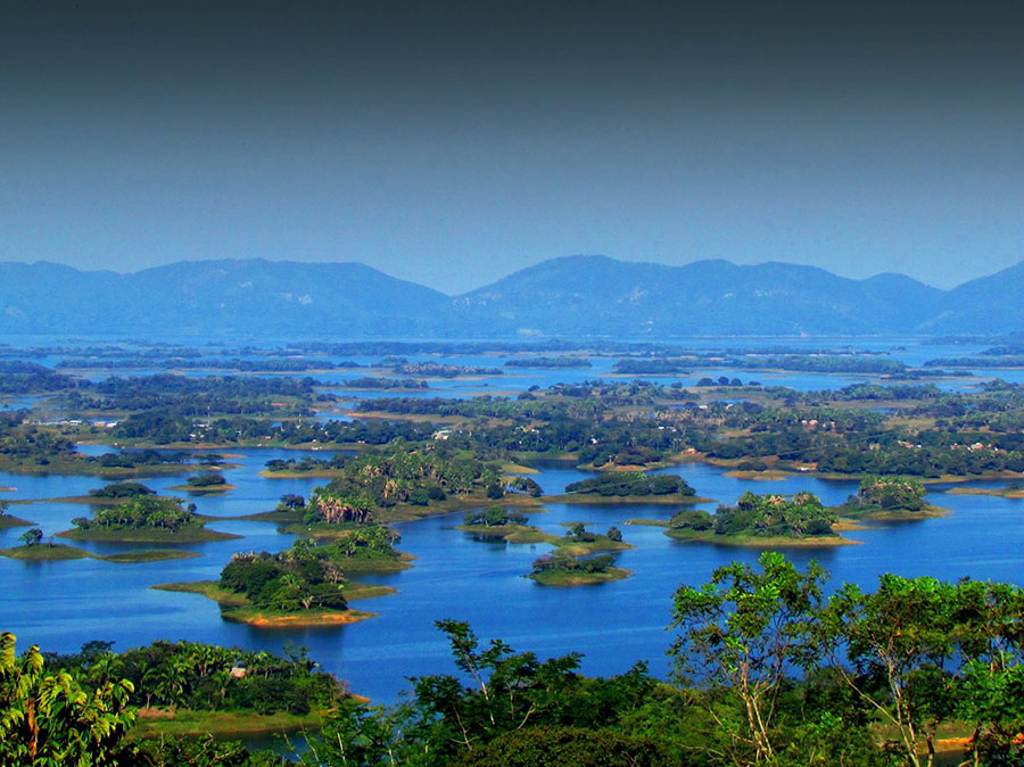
451,143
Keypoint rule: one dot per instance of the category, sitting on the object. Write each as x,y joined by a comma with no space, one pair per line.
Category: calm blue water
60,605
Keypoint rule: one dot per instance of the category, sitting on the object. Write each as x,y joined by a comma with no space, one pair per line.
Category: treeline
767,670
400,474
258,365
29,378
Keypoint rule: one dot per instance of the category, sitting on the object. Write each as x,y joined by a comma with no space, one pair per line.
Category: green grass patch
7,521
148,555
204,489
759,541
510,533
148,535
673,499
158,723
44,552
237,608
567,578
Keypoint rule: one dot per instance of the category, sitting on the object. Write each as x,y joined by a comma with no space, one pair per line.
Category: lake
60,605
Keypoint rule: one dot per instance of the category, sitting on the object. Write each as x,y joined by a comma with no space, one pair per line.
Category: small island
304,586
628,487
7,520
497,523
563,569
115,492
1013,491
34,550
890,499
403,482
205,482
145,519
578,559
761,521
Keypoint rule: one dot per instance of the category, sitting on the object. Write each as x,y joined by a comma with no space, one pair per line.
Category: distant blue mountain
595,294
572,296
216,298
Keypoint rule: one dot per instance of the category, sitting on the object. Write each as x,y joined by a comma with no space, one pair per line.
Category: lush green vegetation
374,382
548,362
888,497
206,479
121,490
564,569
376,480
758,517
631,483
494,517
305,585
144,518
768,670
17,377
436,370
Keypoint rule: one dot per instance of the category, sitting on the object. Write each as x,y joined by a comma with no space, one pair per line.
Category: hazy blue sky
451,144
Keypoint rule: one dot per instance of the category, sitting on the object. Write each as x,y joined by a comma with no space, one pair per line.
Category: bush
567,747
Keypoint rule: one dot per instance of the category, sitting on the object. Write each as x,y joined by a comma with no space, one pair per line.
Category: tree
567,746
889,647
50,720
743,630
32,536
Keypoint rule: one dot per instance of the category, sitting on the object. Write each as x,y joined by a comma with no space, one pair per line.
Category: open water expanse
60,605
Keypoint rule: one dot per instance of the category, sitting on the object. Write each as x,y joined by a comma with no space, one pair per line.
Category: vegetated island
403,482
763,521
757,470
305,586
205,482
108,495
34,550
498,523
890,499
1014,490
572,563
145,519
578,559
628,487
7,520
551,363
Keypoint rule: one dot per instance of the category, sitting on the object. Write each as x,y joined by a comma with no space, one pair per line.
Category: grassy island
766,521
7,521
890,499
628,487
561,569
497,523
144,519
43,552
1014,491
407,482
205,482
576,560
305,586
59,551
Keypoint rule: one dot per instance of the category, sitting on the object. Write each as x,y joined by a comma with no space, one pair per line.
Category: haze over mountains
571,296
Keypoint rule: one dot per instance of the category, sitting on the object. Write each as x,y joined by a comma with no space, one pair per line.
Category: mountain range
575,296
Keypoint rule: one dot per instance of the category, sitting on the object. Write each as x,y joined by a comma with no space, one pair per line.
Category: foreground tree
743,632
50,720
